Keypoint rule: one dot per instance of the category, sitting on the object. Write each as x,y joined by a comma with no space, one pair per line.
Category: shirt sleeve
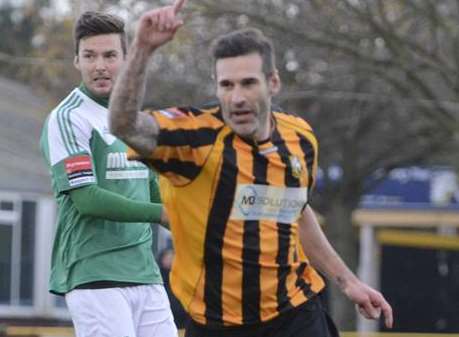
69,151
185,140
101,203
310,148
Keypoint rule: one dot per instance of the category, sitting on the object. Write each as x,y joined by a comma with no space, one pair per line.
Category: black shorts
308,320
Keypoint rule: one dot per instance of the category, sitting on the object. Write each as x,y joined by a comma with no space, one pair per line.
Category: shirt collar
100,100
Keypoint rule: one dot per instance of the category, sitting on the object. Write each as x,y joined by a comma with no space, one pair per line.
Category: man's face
99,60
245,95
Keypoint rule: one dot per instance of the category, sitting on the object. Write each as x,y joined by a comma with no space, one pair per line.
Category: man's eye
249,82
225,84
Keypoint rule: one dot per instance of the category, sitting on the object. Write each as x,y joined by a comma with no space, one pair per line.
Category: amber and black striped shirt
233,207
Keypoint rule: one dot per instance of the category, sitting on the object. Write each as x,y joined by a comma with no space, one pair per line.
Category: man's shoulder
207,114
208,110
291,120
210,107
72,105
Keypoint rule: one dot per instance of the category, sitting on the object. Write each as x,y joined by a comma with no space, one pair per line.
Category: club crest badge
295,164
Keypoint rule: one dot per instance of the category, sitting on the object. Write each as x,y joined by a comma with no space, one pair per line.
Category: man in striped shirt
102,260
236,180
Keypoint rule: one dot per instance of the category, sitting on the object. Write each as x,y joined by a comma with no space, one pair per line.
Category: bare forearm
128,93
126,121
140,130
320,252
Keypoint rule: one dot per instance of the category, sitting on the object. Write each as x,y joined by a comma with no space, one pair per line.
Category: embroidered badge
297,169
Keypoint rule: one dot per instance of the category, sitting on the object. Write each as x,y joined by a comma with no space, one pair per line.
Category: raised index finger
178,5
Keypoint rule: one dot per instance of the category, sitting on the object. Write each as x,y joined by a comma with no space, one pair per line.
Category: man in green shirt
102,259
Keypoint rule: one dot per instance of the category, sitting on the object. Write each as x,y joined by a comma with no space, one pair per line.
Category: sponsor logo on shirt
119,167
261,202
79,170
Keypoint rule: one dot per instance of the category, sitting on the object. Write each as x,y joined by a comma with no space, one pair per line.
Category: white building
27,208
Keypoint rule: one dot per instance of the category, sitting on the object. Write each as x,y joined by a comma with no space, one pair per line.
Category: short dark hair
96,23
243,42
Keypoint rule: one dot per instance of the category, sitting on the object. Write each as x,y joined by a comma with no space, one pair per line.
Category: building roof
22,113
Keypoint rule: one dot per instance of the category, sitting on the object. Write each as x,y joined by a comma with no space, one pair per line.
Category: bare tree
377,79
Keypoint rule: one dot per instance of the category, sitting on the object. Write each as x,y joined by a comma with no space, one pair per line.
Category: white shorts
139,311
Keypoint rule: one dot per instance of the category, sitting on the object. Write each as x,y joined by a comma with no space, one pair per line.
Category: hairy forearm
127,95
126,121
320,252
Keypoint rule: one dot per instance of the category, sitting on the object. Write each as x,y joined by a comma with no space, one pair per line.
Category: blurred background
377,79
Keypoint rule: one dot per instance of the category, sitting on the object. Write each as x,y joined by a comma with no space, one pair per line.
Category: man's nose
238,97
100,63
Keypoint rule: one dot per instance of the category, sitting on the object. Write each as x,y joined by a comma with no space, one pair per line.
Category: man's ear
274,83
76,62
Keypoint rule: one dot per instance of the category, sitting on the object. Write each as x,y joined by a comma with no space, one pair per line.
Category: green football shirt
80,151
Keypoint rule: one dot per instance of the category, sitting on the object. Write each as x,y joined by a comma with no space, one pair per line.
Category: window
27,252
6,205
5,262
17,251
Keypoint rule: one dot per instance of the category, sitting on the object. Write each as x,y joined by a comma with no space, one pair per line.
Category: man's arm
322,255
140,130
95,201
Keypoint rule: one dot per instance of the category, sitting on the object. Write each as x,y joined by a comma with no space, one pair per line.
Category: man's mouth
101,79
241,112
242,115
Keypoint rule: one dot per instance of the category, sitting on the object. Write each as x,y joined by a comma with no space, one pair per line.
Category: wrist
141,50
346,281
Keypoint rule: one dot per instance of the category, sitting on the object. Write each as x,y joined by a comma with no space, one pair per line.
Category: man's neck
101,100
266,134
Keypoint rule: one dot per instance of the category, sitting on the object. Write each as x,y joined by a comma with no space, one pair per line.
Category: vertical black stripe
216,226
285,154
300,283
251,293
309,155
283,235
308,158
284,230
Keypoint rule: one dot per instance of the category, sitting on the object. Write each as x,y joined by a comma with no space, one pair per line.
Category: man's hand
369,302
158,26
